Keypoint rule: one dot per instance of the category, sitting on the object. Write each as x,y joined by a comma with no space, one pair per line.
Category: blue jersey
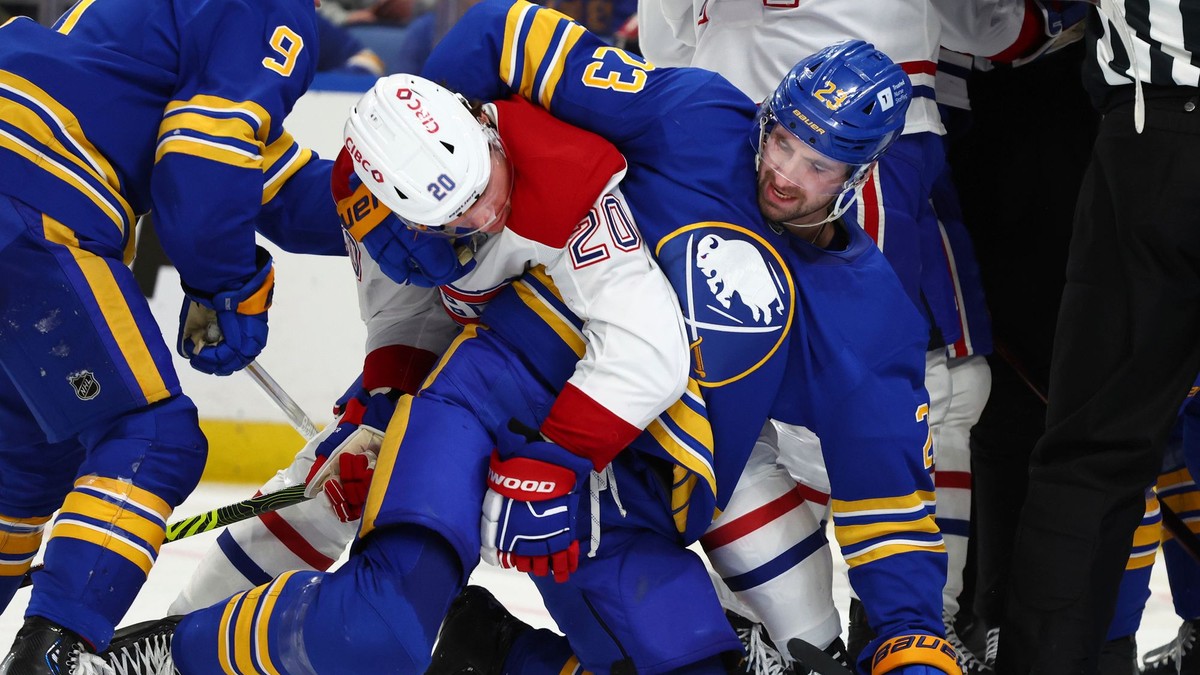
700,217
855,377
123,108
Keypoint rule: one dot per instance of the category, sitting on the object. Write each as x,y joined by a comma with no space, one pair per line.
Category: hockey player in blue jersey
618,569
122,108
885,523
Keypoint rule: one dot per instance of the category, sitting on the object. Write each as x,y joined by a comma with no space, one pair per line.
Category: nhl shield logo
86,386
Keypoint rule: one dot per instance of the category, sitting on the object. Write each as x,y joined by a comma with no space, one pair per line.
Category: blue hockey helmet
847,102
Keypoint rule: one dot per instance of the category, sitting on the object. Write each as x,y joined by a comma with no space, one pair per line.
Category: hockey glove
915,655
345,461
531,505
414,257
223,333
1063,23
405,255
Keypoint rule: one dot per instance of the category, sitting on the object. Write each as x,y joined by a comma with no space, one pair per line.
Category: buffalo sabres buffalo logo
737,298
86,386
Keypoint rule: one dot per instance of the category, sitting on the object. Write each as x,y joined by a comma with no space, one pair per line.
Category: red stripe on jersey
294,541
558,171
472,296
762,516
919,67
583,426
952,479
960,348
397,366
812,495
870,211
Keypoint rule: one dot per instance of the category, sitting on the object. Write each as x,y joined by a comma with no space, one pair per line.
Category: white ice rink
179,558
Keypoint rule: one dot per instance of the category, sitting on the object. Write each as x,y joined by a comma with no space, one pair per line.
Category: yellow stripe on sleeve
115,310
271,156
882,505
259,118
870,555
235,128
73,15
555,72
537,45
848,535
262,637
197,147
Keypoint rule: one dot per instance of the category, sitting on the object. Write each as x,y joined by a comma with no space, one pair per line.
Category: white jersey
979,27
754,43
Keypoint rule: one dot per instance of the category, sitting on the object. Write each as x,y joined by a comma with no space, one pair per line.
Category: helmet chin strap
839,207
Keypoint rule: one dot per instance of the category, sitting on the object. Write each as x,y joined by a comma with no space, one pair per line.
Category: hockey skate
142,649
43,647
762,658
475,636
1178,657
967,660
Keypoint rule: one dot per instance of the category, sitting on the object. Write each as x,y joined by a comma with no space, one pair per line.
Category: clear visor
796,162
489,212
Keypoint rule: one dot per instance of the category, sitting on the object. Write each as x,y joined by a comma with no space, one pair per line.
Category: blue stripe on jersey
923,91
954,526
518,50
240,561
548,59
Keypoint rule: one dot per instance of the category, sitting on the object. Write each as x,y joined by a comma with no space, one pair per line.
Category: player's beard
788,203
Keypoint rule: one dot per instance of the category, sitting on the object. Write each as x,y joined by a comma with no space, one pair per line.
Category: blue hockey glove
915,655
345,460
222,334
531,505
414,257
405,255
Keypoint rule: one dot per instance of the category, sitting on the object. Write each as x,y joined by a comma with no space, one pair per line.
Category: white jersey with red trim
754,43
570,270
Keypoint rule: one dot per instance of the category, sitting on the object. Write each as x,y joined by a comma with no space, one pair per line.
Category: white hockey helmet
421,152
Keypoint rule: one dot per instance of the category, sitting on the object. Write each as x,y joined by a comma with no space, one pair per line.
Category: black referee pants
1126,350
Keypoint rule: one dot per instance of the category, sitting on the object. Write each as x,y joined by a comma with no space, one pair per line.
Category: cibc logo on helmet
365,163
414,104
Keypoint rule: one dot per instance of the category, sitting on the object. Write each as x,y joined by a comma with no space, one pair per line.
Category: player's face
796,184
490,212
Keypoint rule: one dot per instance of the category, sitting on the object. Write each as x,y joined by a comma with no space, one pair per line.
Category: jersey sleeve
302,217
222,152
505,47
879,453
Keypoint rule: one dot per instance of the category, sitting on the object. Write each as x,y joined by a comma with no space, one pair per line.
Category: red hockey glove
531,505
345,460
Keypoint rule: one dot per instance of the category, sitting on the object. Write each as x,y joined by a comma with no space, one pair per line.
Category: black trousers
1018,165
1126,350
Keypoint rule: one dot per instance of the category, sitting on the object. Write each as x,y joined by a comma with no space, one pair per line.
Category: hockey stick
296,416
1171,520
219,517
815,659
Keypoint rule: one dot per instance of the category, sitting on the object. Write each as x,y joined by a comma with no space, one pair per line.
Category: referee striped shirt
1163,36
